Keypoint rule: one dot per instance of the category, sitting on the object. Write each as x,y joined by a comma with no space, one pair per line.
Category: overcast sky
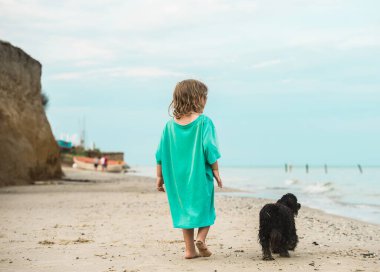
292,81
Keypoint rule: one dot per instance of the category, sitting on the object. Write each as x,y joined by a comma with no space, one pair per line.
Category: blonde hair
189,96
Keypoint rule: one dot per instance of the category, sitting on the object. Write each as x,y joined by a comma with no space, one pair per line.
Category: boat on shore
87,163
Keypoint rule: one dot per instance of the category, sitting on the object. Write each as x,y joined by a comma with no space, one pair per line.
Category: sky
290,81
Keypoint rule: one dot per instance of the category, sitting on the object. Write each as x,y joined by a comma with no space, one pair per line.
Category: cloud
287,81
70,49
360,41
86,33
339,38
139,72
144,15
267,63
85,63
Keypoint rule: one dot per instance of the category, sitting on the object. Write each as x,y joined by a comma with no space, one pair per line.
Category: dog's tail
275,239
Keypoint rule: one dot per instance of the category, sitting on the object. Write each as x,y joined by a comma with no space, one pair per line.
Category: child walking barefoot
187,164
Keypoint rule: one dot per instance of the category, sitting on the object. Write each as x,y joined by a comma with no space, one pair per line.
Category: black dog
277,227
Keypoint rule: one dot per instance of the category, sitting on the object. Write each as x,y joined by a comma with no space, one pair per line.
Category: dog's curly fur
277,231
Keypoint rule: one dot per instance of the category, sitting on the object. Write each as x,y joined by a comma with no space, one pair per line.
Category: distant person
102,162
105,164
187,164
96,163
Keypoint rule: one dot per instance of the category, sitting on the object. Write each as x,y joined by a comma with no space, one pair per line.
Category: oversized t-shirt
186,153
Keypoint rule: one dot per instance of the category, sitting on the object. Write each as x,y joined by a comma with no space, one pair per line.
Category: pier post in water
326,169
307,168
360,169
286,167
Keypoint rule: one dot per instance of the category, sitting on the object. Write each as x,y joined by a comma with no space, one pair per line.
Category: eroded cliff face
28,150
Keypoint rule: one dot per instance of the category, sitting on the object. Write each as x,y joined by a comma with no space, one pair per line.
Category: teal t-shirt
186,153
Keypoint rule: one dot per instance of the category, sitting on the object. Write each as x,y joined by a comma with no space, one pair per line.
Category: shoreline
267,200
120,223
230,191
314,190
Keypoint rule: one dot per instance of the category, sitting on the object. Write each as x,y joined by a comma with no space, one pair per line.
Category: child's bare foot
191,255
203,250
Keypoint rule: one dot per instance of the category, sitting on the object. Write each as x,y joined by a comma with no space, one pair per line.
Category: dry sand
116,222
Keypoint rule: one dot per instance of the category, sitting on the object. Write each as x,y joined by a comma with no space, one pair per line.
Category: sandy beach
115,222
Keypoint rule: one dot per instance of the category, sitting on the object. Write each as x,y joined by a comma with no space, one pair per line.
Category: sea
344,191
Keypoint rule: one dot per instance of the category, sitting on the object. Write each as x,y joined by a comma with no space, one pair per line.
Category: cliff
28,150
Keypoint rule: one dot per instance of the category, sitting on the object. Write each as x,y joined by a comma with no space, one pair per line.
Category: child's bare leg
201,242
202,234
188,236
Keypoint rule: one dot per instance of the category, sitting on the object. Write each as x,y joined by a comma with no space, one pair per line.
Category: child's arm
160,179
215,171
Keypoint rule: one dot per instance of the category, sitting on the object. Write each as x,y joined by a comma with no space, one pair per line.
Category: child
187,162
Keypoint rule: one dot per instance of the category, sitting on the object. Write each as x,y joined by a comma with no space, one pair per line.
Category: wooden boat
88,164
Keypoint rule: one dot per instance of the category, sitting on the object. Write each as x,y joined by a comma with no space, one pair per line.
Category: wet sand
118,222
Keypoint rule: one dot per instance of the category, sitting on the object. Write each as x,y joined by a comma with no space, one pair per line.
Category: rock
28,150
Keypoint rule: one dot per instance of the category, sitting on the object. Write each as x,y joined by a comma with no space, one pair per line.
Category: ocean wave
291,181
276,188
319,188
359,205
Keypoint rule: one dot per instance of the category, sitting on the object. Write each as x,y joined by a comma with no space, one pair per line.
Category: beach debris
46,242
369,255
315,243
66,242
171,241
81,241
103,256
77,241
312,263
239,250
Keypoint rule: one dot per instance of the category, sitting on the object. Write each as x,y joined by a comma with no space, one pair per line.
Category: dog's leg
283,250
293,242
284,253
283,245
267,255
265,230
264,238
275,241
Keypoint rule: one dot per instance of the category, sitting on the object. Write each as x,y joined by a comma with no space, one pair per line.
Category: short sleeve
210,142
